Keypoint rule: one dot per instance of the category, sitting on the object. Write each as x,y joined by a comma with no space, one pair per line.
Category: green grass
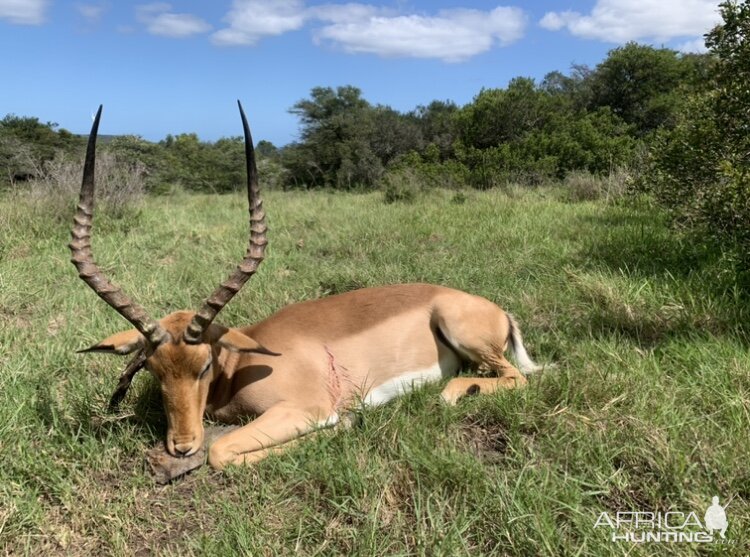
649,408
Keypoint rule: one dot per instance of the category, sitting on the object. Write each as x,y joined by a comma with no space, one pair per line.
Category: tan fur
318,358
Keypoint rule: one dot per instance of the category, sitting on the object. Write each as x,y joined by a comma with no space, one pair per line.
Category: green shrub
431,173
27,145
700,169
403,185
459,198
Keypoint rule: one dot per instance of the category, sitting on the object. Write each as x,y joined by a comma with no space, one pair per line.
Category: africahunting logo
667,527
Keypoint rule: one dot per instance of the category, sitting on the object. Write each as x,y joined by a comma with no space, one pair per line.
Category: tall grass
584,186
649,408
52,195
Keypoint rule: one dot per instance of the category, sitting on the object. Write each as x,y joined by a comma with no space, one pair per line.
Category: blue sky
173,67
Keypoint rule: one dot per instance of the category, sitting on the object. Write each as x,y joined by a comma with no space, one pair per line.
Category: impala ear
119,343
235,341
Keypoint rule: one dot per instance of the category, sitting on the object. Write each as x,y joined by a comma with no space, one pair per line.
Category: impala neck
219,392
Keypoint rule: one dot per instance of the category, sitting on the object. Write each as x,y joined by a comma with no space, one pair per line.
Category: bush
459,198
271,174
700,170
504,165
432,172
582,185
401,184
641,84
26,145
119,187
201,166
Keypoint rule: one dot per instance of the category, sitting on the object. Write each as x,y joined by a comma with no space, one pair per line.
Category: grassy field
649,408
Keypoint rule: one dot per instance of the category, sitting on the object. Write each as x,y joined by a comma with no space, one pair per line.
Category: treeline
589,119
28,145
30,149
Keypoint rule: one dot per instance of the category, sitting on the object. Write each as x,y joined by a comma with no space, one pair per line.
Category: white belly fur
409,380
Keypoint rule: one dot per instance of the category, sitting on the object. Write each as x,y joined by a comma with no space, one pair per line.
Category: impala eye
204,371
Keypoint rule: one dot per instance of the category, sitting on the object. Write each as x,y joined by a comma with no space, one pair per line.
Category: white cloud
344,13
697,46
159,20
23,12
619,21
90,12
554,21
451,35
251,20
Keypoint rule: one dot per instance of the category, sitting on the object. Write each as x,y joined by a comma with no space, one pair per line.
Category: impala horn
83,258
255,249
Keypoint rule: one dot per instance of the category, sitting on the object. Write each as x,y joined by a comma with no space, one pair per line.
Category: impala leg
346,421
273,431
510,378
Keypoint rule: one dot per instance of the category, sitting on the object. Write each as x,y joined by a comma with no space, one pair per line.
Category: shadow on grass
641,241
648,282
140,417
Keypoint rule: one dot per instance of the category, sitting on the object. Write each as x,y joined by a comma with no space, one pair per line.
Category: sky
174,67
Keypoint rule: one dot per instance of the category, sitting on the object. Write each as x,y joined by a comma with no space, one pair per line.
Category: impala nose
184,448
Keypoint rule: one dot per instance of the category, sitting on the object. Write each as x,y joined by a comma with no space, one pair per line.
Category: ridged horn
255,249
83,259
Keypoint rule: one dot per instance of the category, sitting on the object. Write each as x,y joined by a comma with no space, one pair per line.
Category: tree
228,162
335,148
266,150
498,116
700,170
438,125
212,167
26,145
730,43
528,134
326,105
393,134
640,84
574,88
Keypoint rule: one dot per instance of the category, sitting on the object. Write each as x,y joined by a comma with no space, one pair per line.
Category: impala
303,367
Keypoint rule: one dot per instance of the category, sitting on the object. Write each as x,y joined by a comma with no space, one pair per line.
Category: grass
648,410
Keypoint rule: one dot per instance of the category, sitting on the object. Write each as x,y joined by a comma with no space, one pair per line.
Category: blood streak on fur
337,376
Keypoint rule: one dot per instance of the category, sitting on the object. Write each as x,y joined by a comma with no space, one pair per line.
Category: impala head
180,349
